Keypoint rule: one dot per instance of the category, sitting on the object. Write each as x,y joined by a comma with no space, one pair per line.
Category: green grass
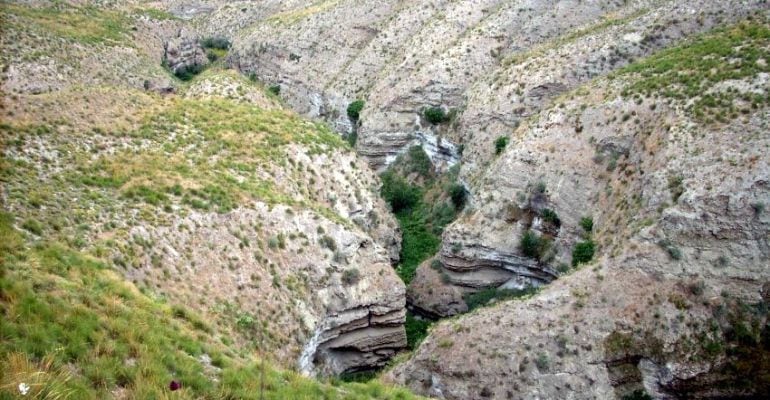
485,296
690,70
88,25
72,327
416,330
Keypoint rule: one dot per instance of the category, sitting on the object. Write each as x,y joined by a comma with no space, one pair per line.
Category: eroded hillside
214,164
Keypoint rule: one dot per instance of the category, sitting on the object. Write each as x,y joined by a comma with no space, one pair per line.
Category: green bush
416,330
587,223
187,72
354,109
483,297
34,226
550,216
583,252
531,244
275,89
458,194
419,161
398,193
220,43
500,144
435,115
328,242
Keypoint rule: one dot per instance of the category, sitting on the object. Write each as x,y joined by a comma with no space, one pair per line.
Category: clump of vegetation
416,330
354,109
583,252
435,115
670,248
275,90
328,242
587,223
187,72
458,194
216,42
533,245
351,276
676,187
501,143
398,193
485,296
418,161
550,217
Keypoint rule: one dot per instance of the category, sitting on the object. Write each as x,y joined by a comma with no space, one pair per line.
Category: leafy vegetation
422,210
533,245
416,330
583,252
435,115
87,25
587,223
73,328
500,144
693,70
486,296
354,109
458,194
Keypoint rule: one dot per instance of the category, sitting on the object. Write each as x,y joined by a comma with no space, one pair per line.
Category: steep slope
660,169
467,58
73,328
207,194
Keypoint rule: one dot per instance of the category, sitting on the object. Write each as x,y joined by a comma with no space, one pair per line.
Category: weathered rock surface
682,249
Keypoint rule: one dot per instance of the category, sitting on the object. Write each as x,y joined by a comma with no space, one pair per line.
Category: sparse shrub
676,187
458,194
758,208
187,72
542,362
671,249
275,89
540,187
551,217
351,276
435,115
398,193
529,244
501,143
583,252
587,223
220,43
33,226
419,161
328,242
416,330
436,264
354,109
485,296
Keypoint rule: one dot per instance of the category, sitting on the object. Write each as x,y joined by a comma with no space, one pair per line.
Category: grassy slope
72,328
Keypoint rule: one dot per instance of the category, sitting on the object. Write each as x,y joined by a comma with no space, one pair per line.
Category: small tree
530,244
587,223
435,115
583,252
354,109
458,194
500,144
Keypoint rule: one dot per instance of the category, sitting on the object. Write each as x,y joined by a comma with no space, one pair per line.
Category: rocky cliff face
675,185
